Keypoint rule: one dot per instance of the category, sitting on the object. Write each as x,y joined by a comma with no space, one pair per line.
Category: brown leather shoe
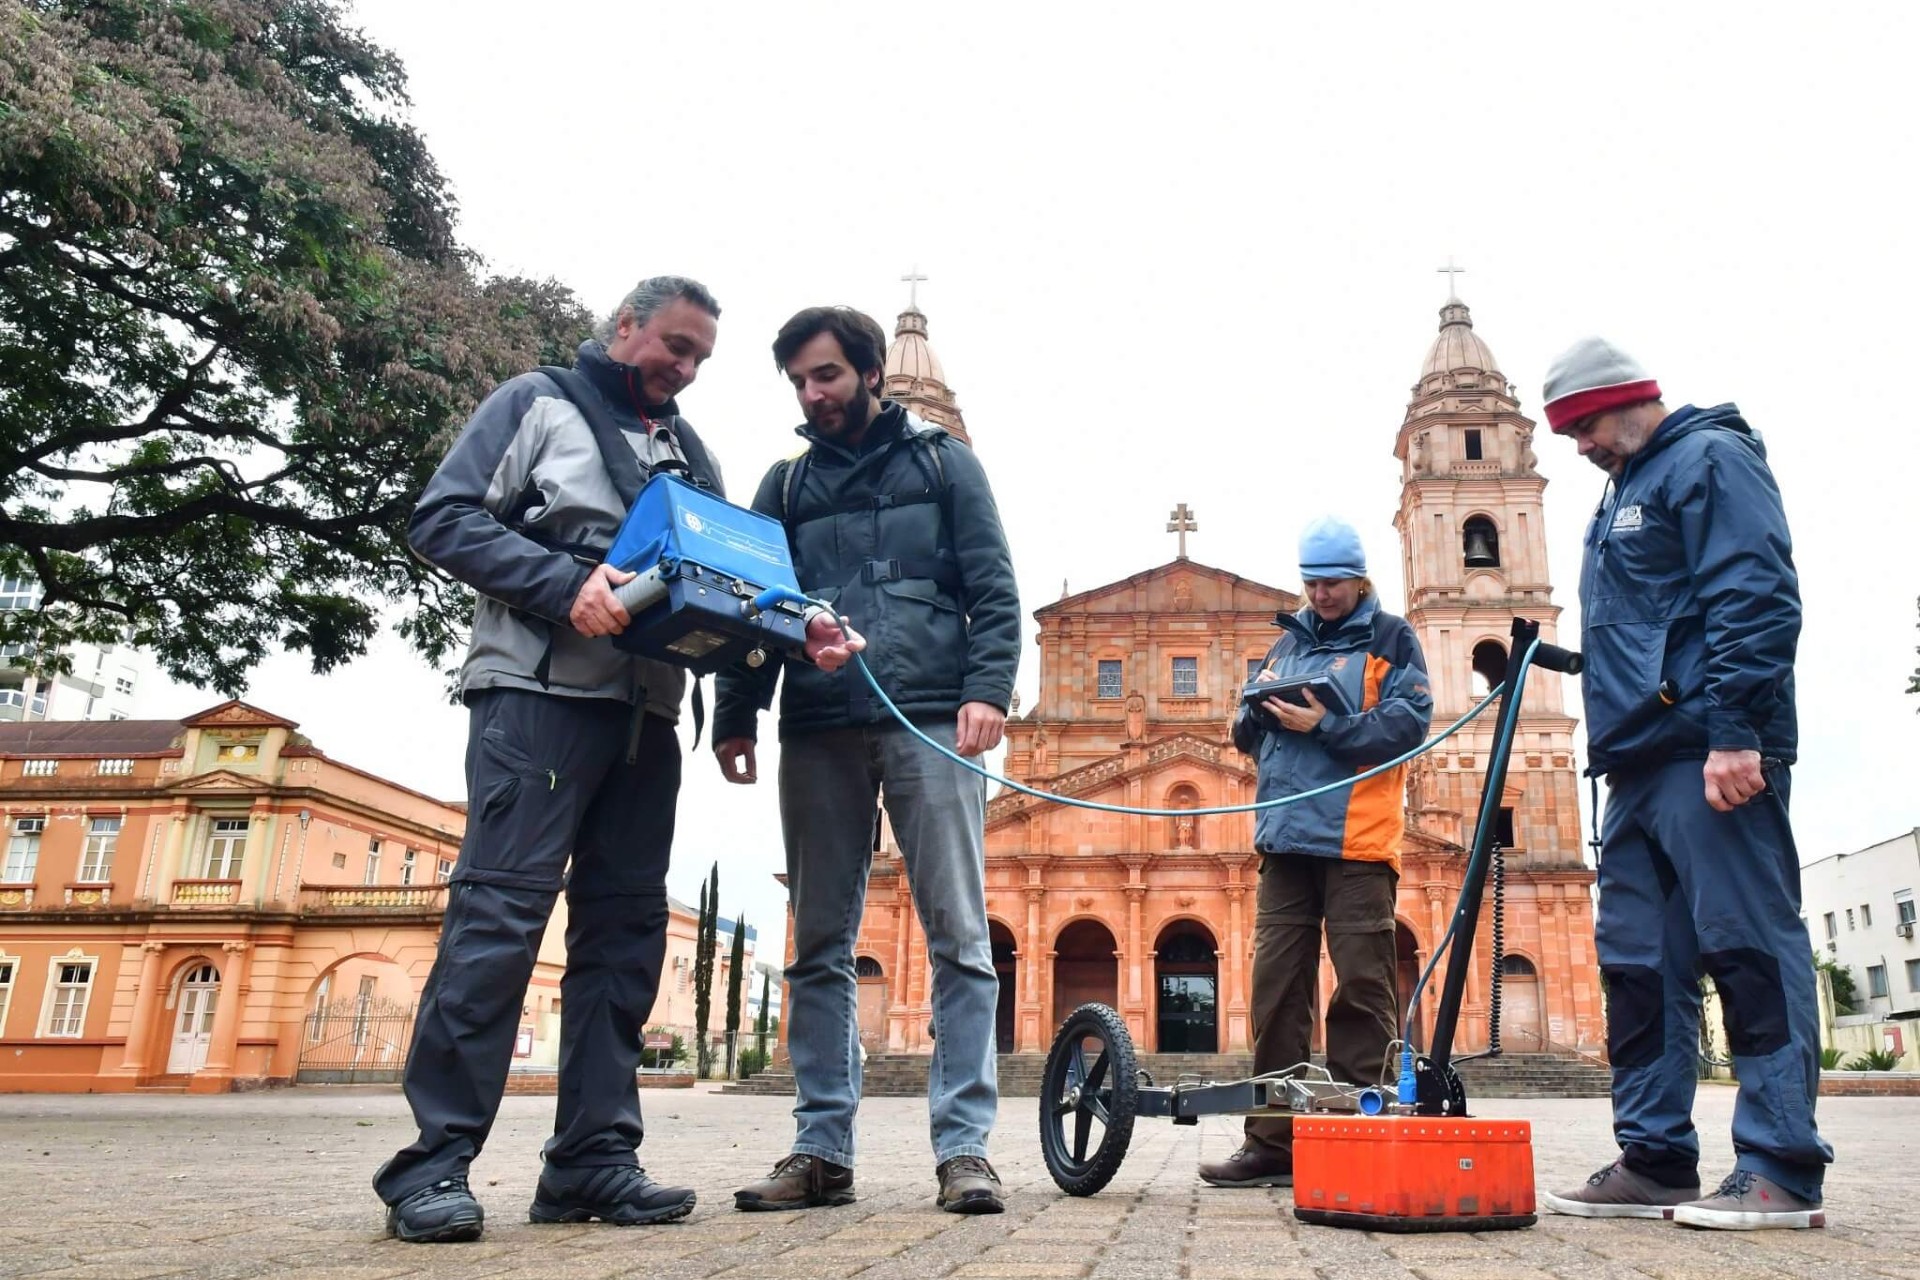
968,1184
1251,1166
798,1182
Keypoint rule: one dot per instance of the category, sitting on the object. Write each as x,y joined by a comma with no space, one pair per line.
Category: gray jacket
523,478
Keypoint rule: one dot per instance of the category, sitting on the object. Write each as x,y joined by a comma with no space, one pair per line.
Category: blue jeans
1684,891
830,785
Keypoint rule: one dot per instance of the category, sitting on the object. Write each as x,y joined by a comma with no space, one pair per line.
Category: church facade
1139,680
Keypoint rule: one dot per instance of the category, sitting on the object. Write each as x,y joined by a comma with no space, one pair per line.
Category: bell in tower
1482,544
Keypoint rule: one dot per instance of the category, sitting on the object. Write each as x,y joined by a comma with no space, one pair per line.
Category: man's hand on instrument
1298,719
1733,778
595,612
831,644
979,728
737,763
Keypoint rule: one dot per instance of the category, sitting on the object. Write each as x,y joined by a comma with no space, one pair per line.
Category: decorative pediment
219,780
1179,586
234,714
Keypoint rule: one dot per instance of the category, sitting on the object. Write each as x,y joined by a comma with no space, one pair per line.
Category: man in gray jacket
891,521
571,757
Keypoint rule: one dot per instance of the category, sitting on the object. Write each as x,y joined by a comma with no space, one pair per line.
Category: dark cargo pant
1684,891
547,778
1354,900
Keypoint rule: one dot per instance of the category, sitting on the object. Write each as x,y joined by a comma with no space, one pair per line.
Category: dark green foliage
236,334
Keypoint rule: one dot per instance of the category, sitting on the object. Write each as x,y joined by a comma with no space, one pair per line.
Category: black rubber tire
1108,1093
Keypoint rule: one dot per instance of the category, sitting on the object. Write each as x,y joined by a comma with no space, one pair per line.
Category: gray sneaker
1746,1201
968,1184
1618,1192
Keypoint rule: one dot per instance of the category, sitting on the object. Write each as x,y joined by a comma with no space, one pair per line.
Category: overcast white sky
1187,253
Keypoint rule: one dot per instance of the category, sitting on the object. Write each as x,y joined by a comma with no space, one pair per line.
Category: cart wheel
1089,1081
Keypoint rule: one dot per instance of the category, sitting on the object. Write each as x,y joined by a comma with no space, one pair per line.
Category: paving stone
275,1185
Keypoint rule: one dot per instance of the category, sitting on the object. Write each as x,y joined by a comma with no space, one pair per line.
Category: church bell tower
1475,558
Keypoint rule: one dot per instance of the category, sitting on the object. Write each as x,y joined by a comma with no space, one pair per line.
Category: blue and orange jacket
1375,658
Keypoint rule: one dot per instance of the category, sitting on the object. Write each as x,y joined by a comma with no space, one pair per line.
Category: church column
145,998
1130,962
1236,1037
1564,974
897,980
1033,1003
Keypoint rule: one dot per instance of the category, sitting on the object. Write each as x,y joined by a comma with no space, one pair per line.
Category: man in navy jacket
1690,617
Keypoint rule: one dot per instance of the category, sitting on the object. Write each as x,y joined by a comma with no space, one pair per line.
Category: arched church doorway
1084,968
870,983
1187,982
1521,1029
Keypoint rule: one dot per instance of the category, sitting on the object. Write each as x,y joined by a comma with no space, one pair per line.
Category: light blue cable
782,595
1330,787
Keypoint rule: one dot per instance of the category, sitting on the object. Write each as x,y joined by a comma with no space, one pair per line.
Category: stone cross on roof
1181,520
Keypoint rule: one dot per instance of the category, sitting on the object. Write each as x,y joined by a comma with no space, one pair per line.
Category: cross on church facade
1450,271
913,280
1181,520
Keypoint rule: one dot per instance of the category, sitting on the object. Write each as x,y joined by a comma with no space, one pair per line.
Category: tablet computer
1289,689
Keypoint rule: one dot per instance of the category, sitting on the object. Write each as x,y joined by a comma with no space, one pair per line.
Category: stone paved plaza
275,1184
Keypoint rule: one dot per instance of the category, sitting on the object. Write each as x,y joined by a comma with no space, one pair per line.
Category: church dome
1458,346
910,356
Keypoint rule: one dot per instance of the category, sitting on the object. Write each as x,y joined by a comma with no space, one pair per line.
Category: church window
1473,445
1503,828
1254,667
1186,677
1489,667
867,967
1513,966
1109,686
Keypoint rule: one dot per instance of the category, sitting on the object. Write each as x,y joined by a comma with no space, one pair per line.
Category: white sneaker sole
1693,1215
1587,1209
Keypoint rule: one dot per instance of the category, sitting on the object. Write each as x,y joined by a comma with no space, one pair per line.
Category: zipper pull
553,780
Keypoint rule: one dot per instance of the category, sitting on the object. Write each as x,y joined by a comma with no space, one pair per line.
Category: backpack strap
623,466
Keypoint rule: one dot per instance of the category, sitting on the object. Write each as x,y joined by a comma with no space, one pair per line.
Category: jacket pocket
926,641
1620,687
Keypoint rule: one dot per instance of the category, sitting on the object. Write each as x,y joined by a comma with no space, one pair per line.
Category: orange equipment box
1413,1173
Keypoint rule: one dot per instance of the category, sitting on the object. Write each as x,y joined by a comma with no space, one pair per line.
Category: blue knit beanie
1330,548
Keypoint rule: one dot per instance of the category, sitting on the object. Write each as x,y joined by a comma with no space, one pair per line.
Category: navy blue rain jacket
1688,580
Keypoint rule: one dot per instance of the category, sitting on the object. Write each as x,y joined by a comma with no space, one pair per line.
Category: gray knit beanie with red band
1593,376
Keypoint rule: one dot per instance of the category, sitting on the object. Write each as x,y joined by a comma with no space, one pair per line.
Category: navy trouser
1685,890
547,779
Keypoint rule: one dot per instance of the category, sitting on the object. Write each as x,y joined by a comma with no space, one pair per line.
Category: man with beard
891,521
1690,616
571,759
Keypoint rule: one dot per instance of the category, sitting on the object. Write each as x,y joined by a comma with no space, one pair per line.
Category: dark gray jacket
524,477
904,538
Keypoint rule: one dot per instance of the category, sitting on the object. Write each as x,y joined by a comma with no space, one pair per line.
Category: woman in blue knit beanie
1333,862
